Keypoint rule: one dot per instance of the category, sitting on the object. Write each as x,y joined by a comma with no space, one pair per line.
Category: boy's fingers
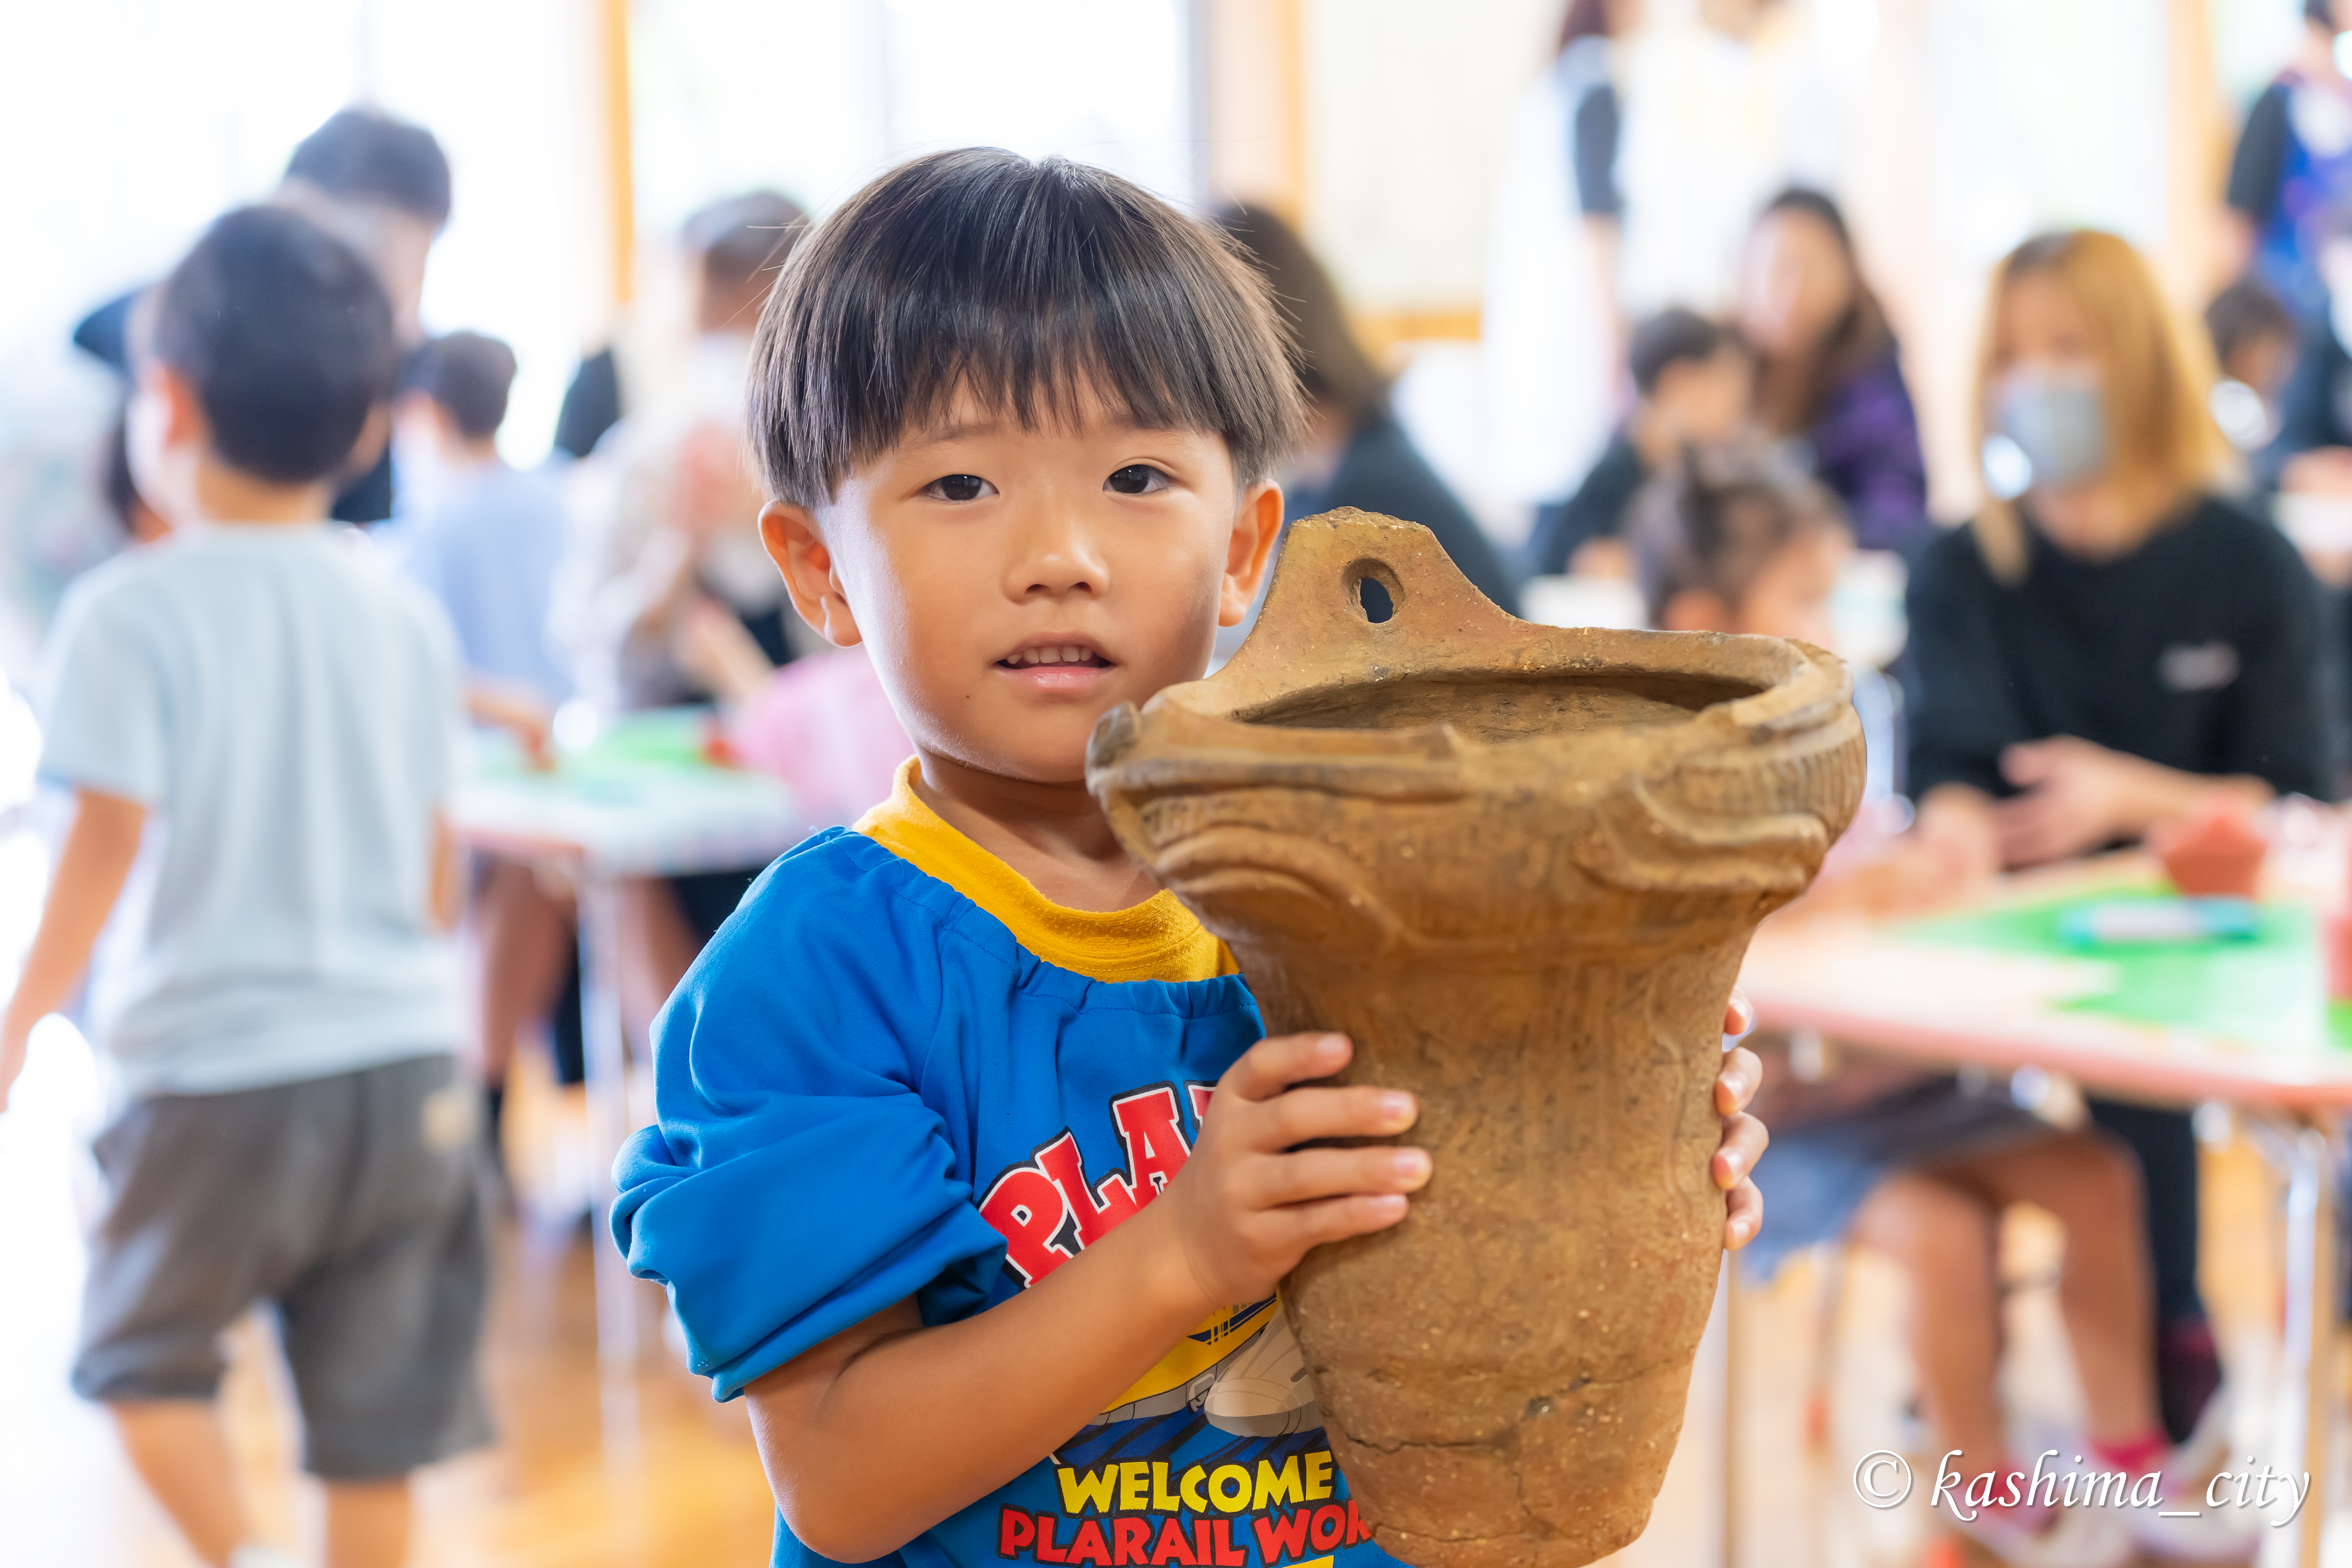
1735,1085
1315,1173
1744,1143
1273,1065
1335,1219
1743,1216
1355,1111
1738,1016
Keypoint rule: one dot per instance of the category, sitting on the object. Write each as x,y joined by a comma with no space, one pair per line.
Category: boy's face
1707,400
1014,585
1790,594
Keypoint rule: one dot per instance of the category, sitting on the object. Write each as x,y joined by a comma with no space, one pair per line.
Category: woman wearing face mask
1827,371
2112,646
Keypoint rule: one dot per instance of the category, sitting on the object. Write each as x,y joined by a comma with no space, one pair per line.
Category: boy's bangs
1048,293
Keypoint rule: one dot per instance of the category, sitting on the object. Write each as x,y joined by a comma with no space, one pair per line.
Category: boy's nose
1057,558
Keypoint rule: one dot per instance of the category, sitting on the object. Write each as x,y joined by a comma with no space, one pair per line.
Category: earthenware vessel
1518,865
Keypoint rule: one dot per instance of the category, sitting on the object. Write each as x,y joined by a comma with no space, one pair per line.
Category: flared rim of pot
1369,634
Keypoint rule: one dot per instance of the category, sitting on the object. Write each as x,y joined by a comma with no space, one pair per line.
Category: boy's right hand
1249,1202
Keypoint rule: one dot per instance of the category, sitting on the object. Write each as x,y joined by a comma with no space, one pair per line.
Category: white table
1867,982
639,803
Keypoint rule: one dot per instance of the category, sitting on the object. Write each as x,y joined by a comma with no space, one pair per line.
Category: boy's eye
958,487
1137,480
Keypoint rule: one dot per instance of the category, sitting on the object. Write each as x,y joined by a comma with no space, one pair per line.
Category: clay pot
1519,866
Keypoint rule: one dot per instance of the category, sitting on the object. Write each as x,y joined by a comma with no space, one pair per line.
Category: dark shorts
349,1204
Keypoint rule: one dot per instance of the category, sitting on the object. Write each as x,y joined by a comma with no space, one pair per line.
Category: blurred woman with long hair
2111,645
1828,373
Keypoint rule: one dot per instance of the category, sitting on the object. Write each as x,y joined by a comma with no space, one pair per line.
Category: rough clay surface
1519,866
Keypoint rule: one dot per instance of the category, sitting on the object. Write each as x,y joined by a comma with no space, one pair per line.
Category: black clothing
104,334
1597,509
1593,152
1382,472
2200,651
592,405
2258,168
2167,1146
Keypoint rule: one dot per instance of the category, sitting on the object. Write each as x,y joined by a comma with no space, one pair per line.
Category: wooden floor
658,1475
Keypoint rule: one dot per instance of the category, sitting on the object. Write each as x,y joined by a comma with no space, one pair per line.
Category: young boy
1694,382
488,540
264,721
972,1168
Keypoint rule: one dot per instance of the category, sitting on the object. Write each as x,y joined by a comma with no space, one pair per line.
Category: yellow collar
1155,939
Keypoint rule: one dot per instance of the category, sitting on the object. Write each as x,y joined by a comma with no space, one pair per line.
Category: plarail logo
1045,1208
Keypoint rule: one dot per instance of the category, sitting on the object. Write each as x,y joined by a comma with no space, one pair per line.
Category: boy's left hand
1744,1136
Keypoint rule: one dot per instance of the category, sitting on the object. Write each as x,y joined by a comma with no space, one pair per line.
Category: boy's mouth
1058,669
1056,656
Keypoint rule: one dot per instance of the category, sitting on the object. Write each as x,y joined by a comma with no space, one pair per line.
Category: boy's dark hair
1675,336
1031,284
744,235
1713,519
367,155
469,375
286,337
1333,369
2246,310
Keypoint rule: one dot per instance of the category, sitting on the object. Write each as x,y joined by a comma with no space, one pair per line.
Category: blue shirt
873,1086
488,551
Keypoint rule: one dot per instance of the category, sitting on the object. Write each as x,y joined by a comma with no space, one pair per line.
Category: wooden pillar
1253,104
620,172
2197,150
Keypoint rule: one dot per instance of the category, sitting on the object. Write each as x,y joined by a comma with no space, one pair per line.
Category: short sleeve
104,705
2258,167
795,1182
1592,152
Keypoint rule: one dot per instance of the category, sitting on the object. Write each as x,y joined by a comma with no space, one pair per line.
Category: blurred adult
1720,107
1827,371
731,249
381,186
1356,453
1588,80
2114,647
2293,164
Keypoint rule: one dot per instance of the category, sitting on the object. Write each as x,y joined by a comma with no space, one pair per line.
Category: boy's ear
1256,525
1695,610
798,549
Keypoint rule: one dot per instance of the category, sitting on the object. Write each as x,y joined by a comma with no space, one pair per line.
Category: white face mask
2049,430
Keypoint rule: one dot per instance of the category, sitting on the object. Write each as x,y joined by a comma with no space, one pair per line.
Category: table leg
605,1065
2311,1312
1731,1409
